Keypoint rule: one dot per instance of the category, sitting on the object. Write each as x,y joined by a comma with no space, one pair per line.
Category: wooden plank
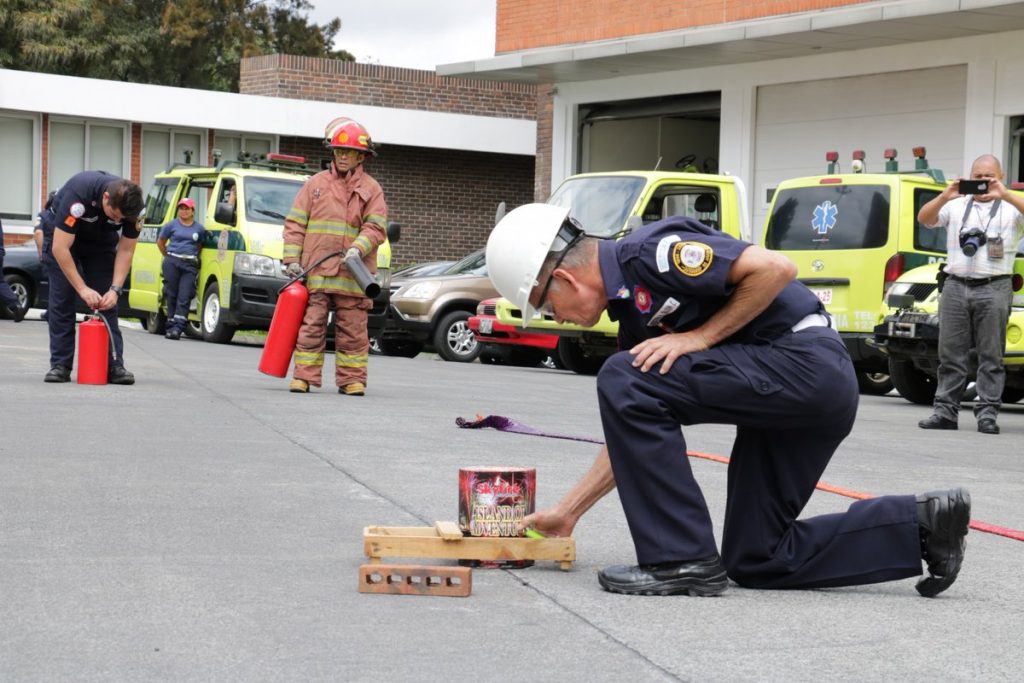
381,542
416,579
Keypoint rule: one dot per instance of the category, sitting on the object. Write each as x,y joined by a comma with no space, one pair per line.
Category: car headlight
421,290
900,288
253,264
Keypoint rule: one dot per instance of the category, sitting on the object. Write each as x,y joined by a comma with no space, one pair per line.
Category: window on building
163,148
231,146
80,145
16,141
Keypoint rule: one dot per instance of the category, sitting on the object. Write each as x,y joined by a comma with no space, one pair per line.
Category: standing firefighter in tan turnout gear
341,209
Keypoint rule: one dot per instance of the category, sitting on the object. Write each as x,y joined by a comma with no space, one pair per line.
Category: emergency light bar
286,158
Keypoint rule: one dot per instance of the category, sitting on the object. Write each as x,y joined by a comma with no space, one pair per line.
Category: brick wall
444,199
331,80
526,24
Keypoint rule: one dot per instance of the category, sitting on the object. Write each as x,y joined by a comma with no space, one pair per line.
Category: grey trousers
972,317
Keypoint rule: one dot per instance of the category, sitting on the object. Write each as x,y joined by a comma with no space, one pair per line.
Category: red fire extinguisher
93,350
290,308
284,329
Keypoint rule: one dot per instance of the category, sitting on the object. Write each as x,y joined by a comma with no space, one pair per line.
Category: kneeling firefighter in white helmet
716,330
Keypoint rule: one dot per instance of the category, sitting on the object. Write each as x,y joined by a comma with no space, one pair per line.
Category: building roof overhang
157,105
871,25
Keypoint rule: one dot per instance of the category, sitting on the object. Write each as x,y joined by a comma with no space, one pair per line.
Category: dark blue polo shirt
78,209
183,240
670,276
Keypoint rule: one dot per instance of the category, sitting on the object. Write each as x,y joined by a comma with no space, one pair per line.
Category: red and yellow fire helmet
344,133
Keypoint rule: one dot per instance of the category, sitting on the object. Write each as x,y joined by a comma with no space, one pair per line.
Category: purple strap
506,424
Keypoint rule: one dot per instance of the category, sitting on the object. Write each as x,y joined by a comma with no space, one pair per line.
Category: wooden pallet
445,540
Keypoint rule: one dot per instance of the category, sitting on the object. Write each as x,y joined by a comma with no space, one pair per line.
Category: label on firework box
492,502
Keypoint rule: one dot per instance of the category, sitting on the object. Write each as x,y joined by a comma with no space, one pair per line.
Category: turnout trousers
793,400
96,264
351,339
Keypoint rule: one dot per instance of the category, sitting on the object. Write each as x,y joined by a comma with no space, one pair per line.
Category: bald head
986,166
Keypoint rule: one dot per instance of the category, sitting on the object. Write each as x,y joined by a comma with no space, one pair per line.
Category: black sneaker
58,373
118,375
702,578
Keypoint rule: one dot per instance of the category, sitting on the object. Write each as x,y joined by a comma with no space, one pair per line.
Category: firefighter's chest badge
316,193
642,299
692,258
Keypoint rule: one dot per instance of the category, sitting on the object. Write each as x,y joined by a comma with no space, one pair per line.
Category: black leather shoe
118,375
694,577
173,334
987,425
937,422
18,312
58,373
943,517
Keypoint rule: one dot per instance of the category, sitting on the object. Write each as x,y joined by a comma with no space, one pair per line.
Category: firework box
492,503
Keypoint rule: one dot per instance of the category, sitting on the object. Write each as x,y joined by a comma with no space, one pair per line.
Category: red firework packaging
492,502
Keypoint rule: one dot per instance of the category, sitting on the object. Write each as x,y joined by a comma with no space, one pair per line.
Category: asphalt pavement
206,525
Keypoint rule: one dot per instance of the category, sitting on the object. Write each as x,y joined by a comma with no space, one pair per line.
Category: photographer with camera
984,222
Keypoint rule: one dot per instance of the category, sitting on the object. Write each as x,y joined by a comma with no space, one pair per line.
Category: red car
509,344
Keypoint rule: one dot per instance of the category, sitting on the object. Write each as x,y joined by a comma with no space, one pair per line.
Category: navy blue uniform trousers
179,288
792,401
96,264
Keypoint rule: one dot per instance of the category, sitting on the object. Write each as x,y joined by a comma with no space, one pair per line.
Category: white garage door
797,123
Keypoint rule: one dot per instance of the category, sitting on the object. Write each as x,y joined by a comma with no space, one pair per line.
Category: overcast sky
411,33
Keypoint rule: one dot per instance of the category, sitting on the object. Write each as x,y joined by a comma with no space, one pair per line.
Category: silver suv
433,311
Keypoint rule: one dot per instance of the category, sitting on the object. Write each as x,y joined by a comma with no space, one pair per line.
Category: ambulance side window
927,239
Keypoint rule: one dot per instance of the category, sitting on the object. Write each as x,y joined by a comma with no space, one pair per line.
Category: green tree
192,43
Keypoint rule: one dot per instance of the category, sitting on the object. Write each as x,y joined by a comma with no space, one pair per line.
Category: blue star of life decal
825,215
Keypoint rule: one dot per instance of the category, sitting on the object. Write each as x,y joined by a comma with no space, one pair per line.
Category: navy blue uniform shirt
671,276
78,209
183,240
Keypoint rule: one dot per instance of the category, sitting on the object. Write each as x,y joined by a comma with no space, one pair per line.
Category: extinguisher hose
358,269
110,334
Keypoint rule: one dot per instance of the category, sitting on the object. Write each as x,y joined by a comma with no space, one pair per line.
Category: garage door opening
678,132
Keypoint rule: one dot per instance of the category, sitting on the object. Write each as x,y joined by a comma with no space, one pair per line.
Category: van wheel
913,384
193,330
574,357
213,326
156,322
453,339
874,383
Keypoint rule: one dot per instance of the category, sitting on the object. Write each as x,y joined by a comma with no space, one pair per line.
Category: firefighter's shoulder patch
692,258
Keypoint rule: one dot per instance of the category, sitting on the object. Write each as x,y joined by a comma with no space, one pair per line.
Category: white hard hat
517,248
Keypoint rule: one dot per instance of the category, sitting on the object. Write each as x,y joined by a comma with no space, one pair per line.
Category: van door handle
821,281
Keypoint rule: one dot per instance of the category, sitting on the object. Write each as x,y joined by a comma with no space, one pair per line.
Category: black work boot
943,517
17,312
701,578
118,375
58,373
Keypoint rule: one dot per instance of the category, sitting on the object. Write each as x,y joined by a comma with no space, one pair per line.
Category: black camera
972,240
